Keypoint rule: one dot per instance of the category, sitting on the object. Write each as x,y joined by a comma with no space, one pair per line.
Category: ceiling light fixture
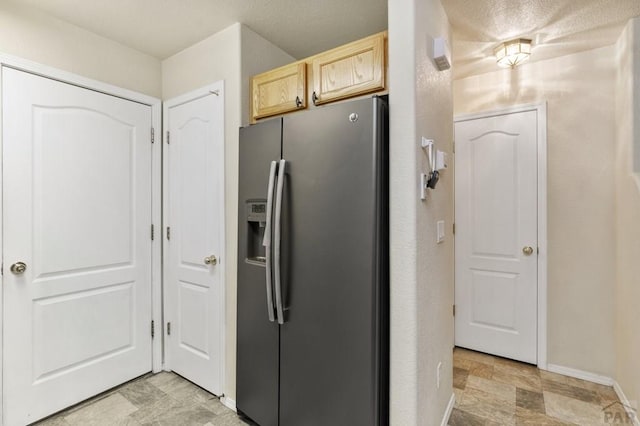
513,52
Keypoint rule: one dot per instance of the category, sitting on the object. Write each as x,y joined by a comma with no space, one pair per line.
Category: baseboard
625,401
447,414
580,374
229,403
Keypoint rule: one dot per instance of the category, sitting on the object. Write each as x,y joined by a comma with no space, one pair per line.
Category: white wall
41,38
232,55
421,271
627,217
580,91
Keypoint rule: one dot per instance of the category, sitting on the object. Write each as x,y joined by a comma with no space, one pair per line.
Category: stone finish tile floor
163,399
489,390
496,391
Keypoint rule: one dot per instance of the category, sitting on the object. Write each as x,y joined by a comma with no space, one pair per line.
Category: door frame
215,88
541,118
156,182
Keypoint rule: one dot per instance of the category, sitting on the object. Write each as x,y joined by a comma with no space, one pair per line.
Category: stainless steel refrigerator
313,278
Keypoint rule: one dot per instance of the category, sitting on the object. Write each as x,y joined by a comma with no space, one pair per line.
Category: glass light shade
514,52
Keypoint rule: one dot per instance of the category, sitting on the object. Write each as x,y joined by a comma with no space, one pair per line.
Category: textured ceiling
164,27
305,27
557,27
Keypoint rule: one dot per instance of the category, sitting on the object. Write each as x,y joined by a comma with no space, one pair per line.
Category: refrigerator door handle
266,242
276,248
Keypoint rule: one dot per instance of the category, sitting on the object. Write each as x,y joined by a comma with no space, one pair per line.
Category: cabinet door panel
349,70
278,91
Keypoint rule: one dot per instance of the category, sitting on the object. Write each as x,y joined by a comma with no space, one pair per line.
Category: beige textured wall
403,216
421,270
580,91
628,213
228,55
41,38
434,120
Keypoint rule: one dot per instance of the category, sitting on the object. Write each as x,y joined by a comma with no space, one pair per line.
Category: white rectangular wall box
441,54
441,160
440,231
423,186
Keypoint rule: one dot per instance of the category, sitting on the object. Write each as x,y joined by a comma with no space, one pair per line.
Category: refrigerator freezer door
258,338
329,353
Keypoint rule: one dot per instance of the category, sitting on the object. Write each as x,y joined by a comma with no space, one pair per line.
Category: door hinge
538,249
153,329
454,228
168,232
153,135
168,329
153,233
454,310
168,142
453,147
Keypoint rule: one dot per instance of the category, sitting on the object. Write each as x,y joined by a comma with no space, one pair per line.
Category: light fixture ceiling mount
513,52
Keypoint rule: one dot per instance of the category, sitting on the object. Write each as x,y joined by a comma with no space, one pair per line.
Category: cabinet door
349,70
278,91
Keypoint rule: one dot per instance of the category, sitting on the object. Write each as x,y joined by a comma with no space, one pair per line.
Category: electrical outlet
438,371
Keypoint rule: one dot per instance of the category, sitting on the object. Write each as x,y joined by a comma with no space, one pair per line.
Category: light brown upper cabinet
278,91
349,70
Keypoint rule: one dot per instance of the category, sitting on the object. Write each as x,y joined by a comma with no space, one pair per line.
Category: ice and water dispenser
256,213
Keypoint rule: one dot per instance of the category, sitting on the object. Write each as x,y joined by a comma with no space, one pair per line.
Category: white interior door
195,237
496,235
77,214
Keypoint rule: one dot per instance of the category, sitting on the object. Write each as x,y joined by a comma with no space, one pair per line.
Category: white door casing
498,215
77,210
194,216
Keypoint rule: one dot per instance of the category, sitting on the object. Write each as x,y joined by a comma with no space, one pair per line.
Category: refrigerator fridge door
258,337
330,349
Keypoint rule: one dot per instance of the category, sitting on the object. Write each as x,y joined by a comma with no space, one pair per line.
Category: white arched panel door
77,244
496,250
194,236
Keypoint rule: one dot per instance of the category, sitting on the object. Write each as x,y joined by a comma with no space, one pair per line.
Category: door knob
210,260
18,268
528,251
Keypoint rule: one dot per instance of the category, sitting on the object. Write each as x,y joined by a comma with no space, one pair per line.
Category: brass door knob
528,251
211,260
18,268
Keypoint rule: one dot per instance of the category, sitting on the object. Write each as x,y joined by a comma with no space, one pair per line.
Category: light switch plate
440,231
